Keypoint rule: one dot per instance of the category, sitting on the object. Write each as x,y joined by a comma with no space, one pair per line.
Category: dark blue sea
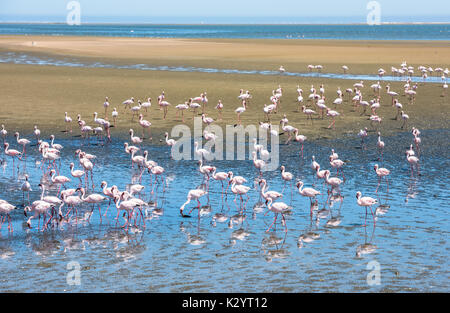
254,31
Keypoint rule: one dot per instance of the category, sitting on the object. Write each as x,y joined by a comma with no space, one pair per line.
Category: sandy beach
46,92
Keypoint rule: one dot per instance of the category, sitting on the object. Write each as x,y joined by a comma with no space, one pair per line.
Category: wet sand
33,94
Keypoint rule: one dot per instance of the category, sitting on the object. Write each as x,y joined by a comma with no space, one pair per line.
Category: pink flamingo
23,142
145,125
165,106
337,164
307,192
268,194
219,176
259,164
5,209
413,161
301,139
366,202
308,113
240,190
38,207
68,121
380,145
277,208
194,194
134,139
60,179
333,114
76,173
94,199
12,152
286,176
381,172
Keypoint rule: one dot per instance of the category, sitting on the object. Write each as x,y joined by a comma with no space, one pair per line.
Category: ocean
253,31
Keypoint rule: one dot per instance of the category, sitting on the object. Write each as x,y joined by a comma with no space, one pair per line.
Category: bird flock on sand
62,207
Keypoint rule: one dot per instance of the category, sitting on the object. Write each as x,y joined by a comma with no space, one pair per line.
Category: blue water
174,254
347,32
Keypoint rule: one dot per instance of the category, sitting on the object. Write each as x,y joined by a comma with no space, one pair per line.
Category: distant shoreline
228,24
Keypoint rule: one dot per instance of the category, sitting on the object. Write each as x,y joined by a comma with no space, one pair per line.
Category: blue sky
237,10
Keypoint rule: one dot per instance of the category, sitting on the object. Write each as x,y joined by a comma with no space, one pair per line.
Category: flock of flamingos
129,205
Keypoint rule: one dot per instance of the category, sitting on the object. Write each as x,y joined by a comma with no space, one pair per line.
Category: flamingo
114,115
269,109
165,106
209,136
136,109
76,173
337,164
286,176
128,102
277,208
363,134
345,68
219,108
240,190
127,206
202,153
381,172
26,187
333,114
50,199
194,194
239,111
268,194
4,133
146,105
194,106
300,138
139,159
182,107
333,155
308,113
219,176
412,160
393,94
207,120
134,139
239,180
94,199
36,132
314,164
5,209
38,207
307,192
12,152
399,107
106,105
55,145
60,179
145,125
259,164
23,142
68,121
405,118
322,106
366,202
129,149
333,182
380,144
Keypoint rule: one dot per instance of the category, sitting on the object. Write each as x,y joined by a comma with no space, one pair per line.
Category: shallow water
23,58
175,254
